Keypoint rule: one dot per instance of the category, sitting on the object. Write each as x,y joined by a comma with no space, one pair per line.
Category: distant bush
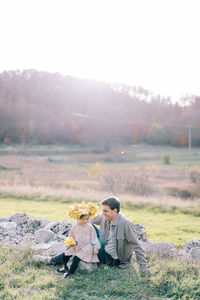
120,156
180,138
97,151
167,159
8,141
133,181
187,192
96,171
157,135
194,175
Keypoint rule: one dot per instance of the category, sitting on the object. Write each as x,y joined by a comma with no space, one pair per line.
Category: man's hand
95,251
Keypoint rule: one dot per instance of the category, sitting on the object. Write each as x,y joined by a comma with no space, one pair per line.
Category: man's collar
116,219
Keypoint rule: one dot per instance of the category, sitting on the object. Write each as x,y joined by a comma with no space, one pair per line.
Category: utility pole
189,140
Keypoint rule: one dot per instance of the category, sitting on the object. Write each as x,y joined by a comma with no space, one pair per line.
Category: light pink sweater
86,239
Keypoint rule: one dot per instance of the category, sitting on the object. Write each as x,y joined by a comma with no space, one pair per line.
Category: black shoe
64,269
67,275
116,263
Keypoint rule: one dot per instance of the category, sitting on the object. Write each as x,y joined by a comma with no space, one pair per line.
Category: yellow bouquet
69,242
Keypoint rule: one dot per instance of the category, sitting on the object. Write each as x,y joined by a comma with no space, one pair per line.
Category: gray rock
49,249
7,238
43,236
140,232
41,258
53,226
55,248
17,241
12,233
19,218
90,267
191,244
65,227
42,247
195,253
24,223
60,237
33,225
87,266
4,219
5,227
28,239
43,222
160,249
20,229
184,256
55,159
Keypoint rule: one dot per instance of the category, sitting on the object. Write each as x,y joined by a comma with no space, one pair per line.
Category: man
118,237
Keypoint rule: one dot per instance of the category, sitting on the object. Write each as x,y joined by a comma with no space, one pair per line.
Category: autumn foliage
43,108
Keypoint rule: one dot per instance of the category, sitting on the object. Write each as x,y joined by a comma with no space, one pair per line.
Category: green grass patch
166,226
46,150
138,154
21,278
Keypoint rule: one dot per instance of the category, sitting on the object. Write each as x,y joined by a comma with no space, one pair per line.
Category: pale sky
149,43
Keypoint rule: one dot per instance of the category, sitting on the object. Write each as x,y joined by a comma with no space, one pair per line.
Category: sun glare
148,43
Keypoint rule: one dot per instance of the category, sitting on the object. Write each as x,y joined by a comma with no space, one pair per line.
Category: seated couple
112,244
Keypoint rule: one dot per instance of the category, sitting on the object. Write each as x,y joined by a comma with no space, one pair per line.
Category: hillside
44,108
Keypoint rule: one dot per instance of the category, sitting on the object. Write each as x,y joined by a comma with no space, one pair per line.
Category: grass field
44,180
21,278
60,166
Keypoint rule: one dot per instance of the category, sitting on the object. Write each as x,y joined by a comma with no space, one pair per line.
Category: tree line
44,108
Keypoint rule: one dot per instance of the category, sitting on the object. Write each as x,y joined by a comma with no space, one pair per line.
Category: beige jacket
126,240
86,239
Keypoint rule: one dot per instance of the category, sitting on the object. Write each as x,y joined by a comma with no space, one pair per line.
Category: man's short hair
112,203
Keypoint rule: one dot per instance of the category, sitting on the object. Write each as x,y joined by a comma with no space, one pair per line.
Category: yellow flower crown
77,210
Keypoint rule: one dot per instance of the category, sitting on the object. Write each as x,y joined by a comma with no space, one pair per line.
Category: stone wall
40,234
47,238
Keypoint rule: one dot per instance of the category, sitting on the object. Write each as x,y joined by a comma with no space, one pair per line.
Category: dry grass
67,177
70,194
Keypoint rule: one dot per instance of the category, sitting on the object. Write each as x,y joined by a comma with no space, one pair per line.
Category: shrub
134,180
96,171
180,138
157,135
194,175
187,192
167,159
8,141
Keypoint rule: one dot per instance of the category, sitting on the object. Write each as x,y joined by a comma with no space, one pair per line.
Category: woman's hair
112,203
